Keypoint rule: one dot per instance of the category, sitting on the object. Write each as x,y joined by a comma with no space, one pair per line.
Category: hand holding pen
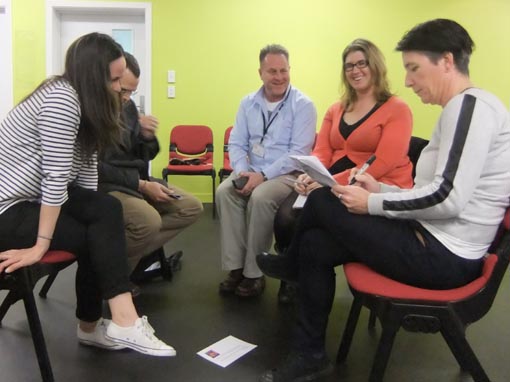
362,170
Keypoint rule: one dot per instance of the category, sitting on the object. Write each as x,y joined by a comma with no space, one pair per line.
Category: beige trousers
149,225
246,223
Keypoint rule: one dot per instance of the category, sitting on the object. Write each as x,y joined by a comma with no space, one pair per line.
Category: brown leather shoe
230,284
251,287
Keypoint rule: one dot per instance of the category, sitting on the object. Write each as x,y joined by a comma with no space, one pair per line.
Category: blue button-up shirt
292,132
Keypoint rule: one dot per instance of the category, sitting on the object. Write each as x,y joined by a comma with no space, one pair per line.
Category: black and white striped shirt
39,155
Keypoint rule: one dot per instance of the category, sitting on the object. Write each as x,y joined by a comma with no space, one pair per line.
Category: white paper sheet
226,351
315,169
300,202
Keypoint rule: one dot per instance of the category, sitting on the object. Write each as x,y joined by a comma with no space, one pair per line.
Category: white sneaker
139,337
97,337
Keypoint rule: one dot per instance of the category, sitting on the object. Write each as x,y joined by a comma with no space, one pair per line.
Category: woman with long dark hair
48,200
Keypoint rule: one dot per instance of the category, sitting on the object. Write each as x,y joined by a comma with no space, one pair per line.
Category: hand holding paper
314,168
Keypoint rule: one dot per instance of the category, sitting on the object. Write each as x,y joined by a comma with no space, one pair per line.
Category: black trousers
90,225
285,222
328,235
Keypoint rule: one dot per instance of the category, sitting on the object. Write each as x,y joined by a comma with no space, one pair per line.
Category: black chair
157,264
416,145
20,285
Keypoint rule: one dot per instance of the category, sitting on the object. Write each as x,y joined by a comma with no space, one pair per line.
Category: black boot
281,267
287,293
299,367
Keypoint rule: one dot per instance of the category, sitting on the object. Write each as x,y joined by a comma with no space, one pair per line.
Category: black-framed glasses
348,67
128,92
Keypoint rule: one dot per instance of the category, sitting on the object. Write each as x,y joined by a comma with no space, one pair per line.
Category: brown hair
377,67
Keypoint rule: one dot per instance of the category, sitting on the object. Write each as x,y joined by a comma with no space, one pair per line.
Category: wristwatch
263,175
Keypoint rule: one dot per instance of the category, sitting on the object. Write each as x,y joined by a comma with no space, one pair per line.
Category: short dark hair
132,64
273,49
439,36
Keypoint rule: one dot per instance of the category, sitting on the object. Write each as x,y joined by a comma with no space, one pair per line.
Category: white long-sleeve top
462,177
39,155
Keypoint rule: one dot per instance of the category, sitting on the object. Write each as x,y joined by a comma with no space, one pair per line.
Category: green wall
213,47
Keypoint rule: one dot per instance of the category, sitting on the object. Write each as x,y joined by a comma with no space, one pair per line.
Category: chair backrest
226,138
482,302
226,158
416,145
191,141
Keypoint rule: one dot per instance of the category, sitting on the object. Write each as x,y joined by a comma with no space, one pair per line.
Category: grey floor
189,314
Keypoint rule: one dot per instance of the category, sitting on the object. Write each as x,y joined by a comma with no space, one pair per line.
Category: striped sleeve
58,123
88,175
452,165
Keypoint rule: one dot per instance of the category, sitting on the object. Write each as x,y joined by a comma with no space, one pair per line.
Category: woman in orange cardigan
367,120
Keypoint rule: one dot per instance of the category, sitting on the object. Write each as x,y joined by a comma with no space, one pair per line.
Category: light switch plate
171,76
171,91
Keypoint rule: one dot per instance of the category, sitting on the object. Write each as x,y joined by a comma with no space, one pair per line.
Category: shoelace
148,330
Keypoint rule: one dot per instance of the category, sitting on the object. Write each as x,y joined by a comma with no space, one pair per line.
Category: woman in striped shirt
48,199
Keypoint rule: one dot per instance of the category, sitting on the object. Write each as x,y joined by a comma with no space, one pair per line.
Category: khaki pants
149,225
247,222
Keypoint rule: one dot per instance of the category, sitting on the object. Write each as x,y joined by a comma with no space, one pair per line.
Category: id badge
258,150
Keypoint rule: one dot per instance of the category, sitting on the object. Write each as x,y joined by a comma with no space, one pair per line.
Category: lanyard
271,120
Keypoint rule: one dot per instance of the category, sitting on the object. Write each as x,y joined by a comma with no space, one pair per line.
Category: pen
363,168
294,180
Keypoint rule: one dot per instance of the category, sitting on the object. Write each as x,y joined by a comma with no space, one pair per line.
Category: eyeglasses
128,92
360,65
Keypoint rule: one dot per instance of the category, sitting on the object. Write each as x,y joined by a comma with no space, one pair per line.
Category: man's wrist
264,177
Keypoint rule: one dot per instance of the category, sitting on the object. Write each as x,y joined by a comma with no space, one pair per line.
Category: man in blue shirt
271,124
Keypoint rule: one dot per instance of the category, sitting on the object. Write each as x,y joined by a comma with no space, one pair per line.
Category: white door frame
56,8
7,69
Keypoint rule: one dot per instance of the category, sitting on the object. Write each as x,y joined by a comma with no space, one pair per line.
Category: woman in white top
48,200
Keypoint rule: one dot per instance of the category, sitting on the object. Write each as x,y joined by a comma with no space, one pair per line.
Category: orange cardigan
386,133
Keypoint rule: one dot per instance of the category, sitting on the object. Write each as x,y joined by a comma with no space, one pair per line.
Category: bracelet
264,177
45,237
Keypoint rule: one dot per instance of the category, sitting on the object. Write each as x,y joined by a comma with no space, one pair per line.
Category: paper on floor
226,351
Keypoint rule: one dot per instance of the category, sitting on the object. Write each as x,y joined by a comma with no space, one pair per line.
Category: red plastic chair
191,152
226,170
20,285
449,312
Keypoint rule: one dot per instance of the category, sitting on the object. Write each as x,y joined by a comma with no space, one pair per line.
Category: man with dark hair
153,211
271,124
432,236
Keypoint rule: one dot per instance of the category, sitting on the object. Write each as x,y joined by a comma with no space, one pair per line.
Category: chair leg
383,352
166,269
47,284
36,330
463,353
350,327
371,320
10,299
38,338
214,196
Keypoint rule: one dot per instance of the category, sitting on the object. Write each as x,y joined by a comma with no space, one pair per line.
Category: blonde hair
377,67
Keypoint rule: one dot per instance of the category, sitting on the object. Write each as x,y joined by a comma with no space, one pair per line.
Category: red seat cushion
189,168
53,257
365,280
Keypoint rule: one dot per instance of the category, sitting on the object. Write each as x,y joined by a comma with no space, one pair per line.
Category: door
128,23
6,77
